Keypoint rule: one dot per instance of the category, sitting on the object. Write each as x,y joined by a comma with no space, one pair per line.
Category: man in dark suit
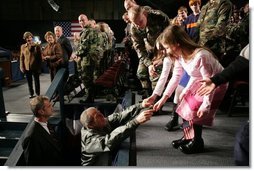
65,44
67,51
41,145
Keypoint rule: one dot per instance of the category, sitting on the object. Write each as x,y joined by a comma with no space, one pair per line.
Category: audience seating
73,83
240,94
112,78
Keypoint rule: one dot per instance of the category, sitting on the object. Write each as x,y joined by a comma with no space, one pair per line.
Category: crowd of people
190,57
91,50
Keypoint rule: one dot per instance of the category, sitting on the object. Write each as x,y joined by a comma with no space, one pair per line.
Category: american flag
69,27
188,131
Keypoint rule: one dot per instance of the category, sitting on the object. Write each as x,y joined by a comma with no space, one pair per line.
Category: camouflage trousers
88,72
154,80
143,76
217,46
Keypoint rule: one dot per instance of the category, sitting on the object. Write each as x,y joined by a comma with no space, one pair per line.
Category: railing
126,154
16,156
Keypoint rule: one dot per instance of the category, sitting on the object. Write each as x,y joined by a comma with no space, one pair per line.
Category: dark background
37,16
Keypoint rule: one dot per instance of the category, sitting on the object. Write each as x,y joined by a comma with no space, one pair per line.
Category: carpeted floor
154,147
153,141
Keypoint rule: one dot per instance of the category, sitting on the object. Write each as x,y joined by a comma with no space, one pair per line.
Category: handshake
146,114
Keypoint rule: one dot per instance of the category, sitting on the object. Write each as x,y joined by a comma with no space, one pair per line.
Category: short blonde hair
37,103
49,33
135,12
27,34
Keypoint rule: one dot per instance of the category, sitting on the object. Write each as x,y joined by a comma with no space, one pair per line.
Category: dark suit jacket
66,47
236,70
40,149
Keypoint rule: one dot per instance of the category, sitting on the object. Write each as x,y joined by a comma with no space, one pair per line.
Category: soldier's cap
27,34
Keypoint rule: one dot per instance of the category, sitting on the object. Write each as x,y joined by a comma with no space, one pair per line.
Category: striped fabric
69,27
189,131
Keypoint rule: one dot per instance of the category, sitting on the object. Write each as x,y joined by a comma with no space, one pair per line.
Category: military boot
173,122
147,89
89,97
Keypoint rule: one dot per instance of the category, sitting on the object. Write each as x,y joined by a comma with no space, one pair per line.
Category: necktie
52,133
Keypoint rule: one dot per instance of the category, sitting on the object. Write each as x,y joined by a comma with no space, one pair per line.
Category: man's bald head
83,20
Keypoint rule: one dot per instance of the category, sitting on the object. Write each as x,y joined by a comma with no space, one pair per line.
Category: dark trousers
241,148
197,131
66,74
30,75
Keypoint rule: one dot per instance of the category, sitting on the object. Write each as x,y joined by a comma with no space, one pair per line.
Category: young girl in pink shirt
199,63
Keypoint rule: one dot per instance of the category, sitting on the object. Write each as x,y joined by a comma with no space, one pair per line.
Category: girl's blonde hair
174,35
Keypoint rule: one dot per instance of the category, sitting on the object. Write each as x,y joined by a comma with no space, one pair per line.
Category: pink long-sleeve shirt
202,65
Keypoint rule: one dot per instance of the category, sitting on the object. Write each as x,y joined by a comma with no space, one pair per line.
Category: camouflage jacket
98,143
105,41
89,44
102,43
213,20
157,21
238,34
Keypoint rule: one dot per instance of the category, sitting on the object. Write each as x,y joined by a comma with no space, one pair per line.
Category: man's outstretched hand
206,88
145,116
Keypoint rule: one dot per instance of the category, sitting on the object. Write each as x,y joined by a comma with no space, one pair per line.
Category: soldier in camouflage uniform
147,25
237,37
134,30
105,45
88,54
101,48
212,23
100,135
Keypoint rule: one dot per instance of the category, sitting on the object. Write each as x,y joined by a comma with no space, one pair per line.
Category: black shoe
179,142
31,96
194,146
87,100
170,126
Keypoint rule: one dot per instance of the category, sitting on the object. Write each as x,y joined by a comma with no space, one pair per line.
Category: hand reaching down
206,88
144,116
